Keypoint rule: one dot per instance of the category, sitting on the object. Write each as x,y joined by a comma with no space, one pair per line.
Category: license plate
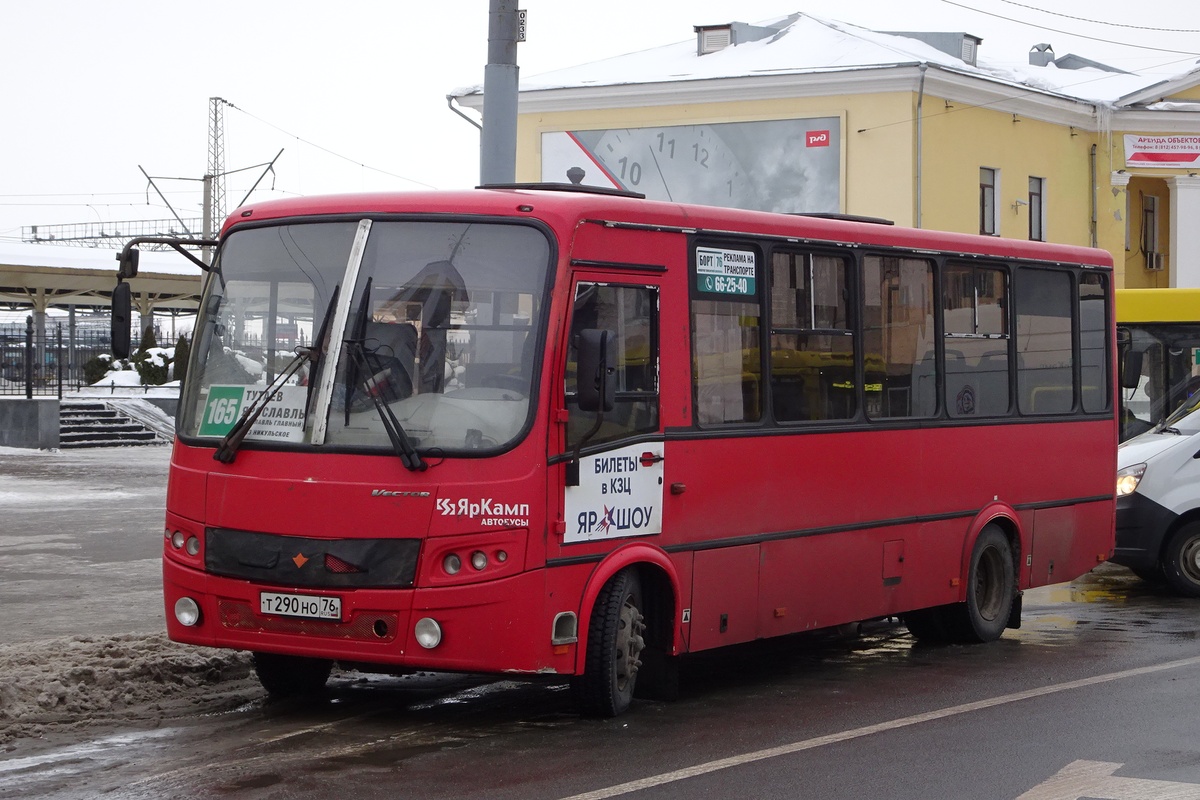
310,606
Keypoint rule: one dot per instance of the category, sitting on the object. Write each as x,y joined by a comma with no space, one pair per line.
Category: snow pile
94,679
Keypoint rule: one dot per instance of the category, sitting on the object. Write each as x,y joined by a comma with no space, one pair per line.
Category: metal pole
29,357
208,220
498,144
58,359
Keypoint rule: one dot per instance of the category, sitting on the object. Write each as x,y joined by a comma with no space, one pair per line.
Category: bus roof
568,208
1157,305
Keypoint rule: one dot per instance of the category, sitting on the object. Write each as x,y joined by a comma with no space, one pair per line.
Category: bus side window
631,313
1045,369
812,343
897,333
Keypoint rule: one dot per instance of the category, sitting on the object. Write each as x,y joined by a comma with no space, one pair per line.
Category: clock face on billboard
774,165
676,163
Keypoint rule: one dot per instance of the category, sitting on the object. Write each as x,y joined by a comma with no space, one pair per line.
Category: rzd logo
817,139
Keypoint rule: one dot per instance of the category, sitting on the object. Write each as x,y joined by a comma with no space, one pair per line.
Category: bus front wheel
291,676
614,648
1181,561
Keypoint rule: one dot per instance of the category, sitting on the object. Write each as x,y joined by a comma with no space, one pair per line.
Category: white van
1158,502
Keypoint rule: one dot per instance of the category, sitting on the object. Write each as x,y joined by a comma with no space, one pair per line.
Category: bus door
614,481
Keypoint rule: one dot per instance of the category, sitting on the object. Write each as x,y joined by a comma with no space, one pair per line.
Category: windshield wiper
1172,429
360,368
403,446
227,449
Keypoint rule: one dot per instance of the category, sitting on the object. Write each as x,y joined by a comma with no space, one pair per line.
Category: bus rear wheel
291,676
1181,561
614,648
991,587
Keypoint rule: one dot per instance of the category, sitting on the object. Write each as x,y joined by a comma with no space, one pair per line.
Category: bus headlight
1129,478
428,633
187,611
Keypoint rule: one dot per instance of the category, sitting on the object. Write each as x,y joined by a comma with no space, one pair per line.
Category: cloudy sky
354,92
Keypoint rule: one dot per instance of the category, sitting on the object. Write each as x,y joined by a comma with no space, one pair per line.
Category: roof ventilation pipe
1041,55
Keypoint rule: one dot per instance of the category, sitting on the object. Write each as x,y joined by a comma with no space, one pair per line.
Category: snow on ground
82,640
58,685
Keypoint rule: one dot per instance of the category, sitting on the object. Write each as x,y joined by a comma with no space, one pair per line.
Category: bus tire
291,676
614,647
991,586
928,625
1181,561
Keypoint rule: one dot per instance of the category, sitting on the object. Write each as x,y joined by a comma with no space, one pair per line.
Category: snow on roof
24,254
810,44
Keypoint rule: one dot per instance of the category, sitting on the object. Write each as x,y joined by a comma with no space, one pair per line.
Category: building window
988,180
1037,190
1149,224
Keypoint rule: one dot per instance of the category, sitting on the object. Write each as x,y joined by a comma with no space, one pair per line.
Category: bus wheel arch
991,585
631,601
991,598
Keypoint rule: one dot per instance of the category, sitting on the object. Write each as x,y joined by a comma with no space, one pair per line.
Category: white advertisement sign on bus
620,494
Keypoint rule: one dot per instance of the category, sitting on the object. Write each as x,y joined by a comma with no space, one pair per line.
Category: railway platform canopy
35,278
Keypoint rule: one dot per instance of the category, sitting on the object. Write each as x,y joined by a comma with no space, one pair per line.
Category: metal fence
51,364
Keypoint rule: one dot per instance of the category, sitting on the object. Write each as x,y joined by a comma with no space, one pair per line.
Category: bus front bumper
495,626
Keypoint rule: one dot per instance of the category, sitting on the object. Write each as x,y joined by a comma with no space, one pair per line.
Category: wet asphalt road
1092,698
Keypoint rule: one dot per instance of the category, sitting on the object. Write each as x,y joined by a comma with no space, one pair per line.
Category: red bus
532,430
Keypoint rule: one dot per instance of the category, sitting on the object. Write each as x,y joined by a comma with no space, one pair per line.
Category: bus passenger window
975,322
727,370
631,312
898,337
1093,323
812,344
1045,365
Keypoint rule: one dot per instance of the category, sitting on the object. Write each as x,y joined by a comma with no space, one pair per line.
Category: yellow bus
1159,335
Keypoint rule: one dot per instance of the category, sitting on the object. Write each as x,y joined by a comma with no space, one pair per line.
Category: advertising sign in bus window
726,335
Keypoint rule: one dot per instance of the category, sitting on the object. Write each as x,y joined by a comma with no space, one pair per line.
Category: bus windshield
432,326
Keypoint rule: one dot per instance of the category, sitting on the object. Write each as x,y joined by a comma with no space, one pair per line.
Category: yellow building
805,114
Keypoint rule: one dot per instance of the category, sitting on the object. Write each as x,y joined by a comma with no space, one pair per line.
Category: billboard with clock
788,165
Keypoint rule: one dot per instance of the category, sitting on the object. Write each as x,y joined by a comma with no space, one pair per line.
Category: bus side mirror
128,263
597,389
1131,368
122,309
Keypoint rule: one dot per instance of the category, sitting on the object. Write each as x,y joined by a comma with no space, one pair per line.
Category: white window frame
1037,209
989,195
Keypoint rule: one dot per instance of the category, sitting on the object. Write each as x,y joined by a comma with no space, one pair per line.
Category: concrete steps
86,423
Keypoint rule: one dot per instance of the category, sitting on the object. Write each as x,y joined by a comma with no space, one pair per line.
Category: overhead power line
1100,21
1071,33
330,152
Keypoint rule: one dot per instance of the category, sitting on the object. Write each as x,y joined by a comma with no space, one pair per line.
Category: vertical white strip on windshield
337,331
